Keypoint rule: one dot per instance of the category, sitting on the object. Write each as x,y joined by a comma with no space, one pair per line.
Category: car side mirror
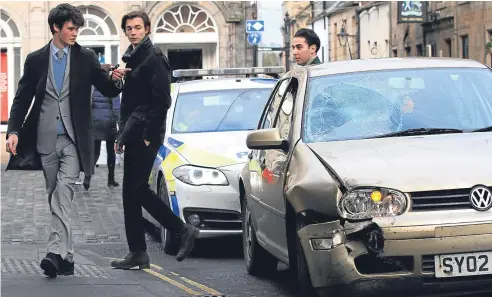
265,139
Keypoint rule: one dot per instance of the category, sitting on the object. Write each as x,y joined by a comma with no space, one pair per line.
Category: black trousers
138,163
111,155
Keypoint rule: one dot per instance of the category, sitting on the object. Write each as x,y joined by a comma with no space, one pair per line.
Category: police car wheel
170,242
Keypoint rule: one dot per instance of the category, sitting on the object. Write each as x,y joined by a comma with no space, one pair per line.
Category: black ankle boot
111,181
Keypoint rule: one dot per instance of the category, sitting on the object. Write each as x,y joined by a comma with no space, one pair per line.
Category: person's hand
146,142
12,142
119,73
119,149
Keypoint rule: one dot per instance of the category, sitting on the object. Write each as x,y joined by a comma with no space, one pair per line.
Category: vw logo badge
481,198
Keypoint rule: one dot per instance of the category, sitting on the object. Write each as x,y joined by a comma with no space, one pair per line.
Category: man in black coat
57,135
145,100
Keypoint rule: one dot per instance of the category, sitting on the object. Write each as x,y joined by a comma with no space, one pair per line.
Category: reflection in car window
272,109
284,115
219,110
368,104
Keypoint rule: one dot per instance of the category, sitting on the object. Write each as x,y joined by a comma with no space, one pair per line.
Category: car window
219,110
284,117
275,102
368,104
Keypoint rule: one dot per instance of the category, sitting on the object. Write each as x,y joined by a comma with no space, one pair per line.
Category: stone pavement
21,276
97,214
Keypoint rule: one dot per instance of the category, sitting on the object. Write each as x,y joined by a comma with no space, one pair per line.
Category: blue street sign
255,26
254,38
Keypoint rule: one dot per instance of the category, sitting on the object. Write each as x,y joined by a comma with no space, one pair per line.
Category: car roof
340,67
226,84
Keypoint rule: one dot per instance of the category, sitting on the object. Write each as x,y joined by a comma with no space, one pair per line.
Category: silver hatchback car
371,174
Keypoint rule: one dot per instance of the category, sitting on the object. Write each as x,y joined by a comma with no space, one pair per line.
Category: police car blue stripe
174,205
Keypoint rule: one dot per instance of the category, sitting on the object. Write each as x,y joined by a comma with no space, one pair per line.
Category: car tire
258,261
169,240
303,277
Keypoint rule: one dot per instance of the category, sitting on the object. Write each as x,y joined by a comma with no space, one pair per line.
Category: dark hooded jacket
105,115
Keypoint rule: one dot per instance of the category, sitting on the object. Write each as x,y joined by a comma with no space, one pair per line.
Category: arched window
8,28
10,63
97,21
185,19
100,34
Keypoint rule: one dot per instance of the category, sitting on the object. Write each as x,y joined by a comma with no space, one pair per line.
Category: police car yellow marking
204,158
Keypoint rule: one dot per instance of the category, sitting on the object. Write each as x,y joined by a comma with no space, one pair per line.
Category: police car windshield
379,103
219,110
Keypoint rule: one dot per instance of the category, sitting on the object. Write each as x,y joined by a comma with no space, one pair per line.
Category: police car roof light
227,71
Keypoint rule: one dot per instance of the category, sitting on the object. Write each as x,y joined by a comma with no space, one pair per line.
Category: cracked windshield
219,111
374,103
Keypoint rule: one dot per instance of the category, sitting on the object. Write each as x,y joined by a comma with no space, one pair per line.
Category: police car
196,170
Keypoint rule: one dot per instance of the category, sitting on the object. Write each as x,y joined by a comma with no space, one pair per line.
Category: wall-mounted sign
412,11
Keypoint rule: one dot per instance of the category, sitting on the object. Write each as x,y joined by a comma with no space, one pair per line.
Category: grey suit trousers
61,169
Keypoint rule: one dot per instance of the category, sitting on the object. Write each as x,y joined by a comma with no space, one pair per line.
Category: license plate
463,264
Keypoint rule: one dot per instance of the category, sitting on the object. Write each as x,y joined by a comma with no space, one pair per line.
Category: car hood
418,163
216,149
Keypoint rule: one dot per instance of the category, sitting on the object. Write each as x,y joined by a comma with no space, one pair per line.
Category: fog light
194,219
321,243
338,238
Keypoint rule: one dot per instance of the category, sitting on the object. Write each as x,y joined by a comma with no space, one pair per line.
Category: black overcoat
85,71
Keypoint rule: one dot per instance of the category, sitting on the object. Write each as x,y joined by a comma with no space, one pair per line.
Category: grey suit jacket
55,106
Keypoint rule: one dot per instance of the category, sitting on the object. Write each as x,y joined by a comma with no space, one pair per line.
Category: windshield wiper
419,131
486,129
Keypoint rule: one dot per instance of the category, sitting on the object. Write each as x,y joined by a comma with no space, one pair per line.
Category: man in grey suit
57,135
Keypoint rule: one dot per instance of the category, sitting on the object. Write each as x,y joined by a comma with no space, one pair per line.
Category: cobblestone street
97,214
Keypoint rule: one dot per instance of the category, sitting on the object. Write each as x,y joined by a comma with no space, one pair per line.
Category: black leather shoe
133,260
87,183
49,264
187,241
66,268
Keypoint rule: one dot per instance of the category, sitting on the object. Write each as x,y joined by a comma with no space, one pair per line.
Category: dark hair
136,14
63,13
310,36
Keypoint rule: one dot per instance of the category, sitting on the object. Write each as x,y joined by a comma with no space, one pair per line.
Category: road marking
172,282
156,267
202,287
175,283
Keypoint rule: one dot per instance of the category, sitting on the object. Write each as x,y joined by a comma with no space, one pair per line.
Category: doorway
185,59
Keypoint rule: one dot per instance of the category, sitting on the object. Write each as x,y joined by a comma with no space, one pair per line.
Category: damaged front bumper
365,253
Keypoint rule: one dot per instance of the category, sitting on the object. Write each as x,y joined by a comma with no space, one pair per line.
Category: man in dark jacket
57,134
305,47
145,100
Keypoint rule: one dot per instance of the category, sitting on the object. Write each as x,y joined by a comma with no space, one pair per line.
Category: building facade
197,34
320,23
459,29
344,32
374,19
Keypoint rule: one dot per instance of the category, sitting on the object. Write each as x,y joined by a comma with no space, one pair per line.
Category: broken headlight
362,204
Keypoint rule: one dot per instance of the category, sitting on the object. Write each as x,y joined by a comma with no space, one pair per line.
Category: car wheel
303,278
169,240
258,261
